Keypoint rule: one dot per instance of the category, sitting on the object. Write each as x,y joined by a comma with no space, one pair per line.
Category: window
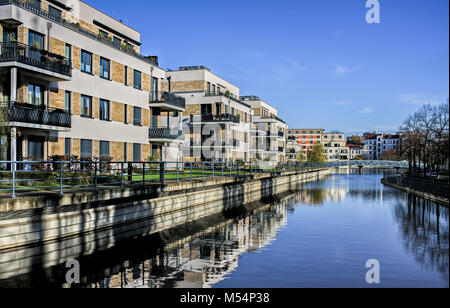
35,95
125,151
125,114
36,41
137,116
86,149
105,68
67,101
137,80
136,152
206,109
54,12
117,40
86,62
68,52
35,3
86,106
126,75
36,147
104,149
104,110
67,148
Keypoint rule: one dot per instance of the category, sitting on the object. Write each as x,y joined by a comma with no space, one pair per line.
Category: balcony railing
18,52
220,118
25,113
77,28
224,94
164,133
168,98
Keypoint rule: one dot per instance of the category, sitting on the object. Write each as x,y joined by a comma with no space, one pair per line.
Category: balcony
35,9
167,101
162,134
215,118
29,114
42,59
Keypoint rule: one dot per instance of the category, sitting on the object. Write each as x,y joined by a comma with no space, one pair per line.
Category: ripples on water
320,236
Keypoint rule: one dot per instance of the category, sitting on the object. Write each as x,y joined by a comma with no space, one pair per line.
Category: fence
435,187
23,176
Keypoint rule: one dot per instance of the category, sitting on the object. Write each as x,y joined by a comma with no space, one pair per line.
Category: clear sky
317,61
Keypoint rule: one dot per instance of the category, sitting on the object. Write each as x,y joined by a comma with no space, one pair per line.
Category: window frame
135,85
82,107
135,123
104,61
104,102
83,65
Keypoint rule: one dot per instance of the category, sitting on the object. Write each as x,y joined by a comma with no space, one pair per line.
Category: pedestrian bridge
370,164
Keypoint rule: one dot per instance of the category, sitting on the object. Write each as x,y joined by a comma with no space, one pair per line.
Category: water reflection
424,228
323,225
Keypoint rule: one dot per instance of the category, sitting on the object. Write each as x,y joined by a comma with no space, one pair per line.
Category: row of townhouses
73,83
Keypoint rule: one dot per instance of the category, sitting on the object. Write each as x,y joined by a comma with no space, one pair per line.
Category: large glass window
125,151
9,35
137,80
126,75
86,106
104,110
86,62
136,152
36,41
105,68
137,116
125,114
35,95
104,149
36,147
86,149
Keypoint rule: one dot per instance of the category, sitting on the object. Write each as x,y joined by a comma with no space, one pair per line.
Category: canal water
320,236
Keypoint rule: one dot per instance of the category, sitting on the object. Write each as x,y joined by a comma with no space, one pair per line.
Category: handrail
16,51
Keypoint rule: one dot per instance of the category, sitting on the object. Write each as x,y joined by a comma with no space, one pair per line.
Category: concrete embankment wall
433,198
94,220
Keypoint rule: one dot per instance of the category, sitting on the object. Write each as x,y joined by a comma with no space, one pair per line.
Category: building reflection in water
208,258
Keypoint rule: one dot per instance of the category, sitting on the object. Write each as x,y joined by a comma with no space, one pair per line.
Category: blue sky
317,61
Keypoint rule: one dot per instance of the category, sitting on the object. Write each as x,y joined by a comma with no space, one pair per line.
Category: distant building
376,145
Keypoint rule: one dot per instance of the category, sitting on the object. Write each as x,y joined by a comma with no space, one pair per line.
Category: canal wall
99,219
431,197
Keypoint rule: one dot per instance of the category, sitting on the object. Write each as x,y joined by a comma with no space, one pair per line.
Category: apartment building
335,146
293,149
216,122
306,138
375,145
74,83
269,132
356,151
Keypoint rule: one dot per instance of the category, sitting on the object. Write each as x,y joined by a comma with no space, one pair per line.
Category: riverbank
428,196
35,220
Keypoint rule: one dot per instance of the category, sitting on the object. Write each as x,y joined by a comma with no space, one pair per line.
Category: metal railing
77,28
167,98
64,176
220,118
15,51
26,113
164,133
434,187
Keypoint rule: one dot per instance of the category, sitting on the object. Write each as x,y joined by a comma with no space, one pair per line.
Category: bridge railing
434,187
61,176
